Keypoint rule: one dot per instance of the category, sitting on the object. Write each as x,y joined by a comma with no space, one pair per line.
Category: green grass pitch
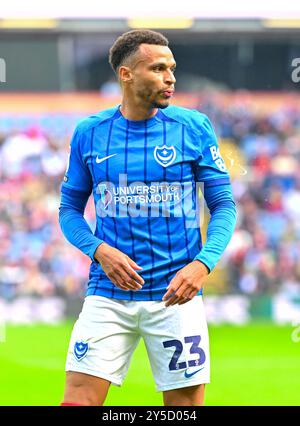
257,364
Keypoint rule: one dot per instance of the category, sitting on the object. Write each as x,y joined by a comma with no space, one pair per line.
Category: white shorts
108,330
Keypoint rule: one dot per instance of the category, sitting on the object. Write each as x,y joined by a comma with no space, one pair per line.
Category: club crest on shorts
164,155
80,349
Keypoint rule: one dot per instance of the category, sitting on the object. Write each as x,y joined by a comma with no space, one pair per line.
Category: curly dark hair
128,43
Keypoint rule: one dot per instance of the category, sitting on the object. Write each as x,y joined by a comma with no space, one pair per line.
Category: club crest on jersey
164,155
105,195
80,349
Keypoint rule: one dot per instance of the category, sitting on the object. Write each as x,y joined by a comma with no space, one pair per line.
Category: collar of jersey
139,123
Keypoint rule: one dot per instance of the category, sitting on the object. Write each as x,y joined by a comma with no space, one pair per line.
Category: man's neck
136,112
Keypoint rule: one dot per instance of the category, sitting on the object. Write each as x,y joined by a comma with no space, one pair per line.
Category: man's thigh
177,343
84,389
103,340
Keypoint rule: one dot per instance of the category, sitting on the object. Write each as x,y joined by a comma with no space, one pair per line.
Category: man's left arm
188,281
218,196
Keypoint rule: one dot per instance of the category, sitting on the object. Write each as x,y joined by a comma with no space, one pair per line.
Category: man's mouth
168,93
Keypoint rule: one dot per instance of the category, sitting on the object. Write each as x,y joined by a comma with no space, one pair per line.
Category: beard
160,105
150,98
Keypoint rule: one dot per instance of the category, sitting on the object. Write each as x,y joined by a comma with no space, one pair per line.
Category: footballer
143,161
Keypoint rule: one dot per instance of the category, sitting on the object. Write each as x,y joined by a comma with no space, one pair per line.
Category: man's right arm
75,191
119,267
73,224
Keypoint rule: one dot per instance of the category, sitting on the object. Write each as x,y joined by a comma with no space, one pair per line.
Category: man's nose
170,77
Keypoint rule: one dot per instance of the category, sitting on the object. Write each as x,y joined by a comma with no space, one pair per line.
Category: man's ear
125,74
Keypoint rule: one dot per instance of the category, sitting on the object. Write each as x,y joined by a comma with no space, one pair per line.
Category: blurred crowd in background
262,257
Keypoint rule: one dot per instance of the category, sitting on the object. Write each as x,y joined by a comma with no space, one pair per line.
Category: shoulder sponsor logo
217,158
99,160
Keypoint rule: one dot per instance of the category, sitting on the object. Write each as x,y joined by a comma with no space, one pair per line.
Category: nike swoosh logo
99,160
188,375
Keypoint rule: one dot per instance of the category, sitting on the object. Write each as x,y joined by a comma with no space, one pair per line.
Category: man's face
152,70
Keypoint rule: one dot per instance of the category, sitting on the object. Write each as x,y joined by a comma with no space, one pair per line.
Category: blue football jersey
144,176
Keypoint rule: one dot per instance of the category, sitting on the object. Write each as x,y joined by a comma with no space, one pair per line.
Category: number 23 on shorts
194,349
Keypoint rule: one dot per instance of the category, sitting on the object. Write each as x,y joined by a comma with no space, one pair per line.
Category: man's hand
186,283
119,268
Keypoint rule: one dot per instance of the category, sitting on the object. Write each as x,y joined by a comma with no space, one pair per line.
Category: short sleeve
210,166
77,176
